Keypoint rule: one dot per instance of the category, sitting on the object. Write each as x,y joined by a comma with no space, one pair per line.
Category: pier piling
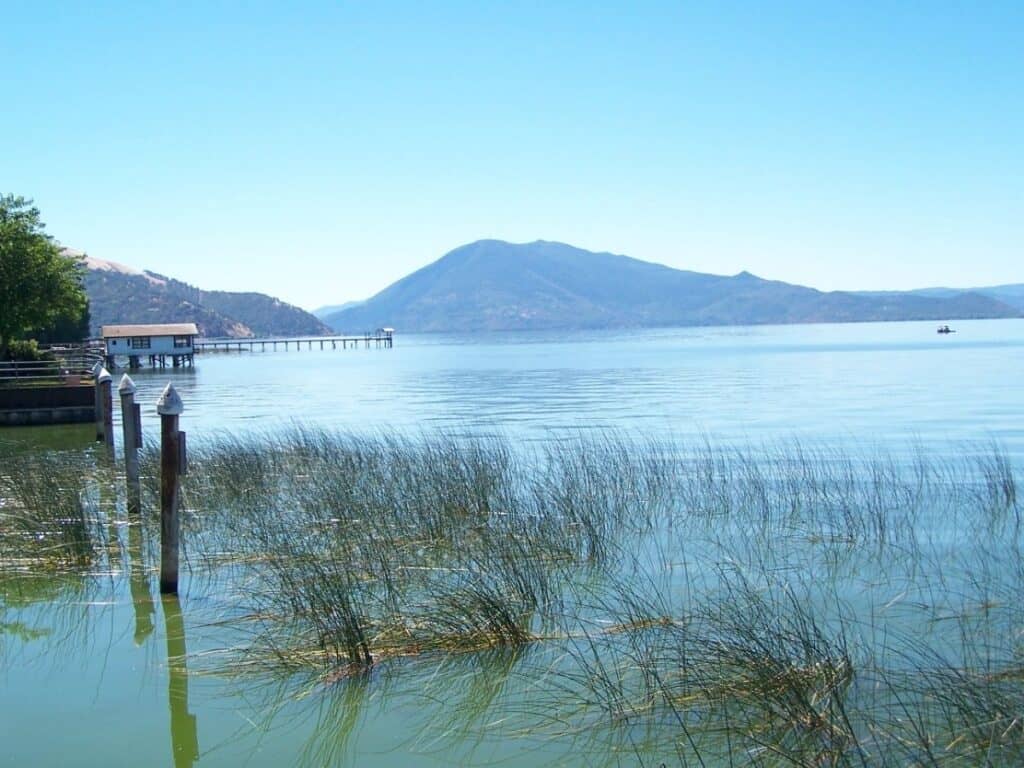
131,424
104,408
172,443
97,413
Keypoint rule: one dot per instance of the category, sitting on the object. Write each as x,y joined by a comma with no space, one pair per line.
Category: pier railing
61,364
366,340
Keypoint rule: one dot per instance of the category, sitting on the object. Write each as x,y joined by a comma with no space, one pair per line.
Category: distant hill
494,285
332,309
119,294
1008,294
1012,294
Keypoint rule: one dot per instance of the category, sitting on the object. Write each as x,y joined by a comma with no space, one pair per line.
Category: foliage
38,284
72,325
24,350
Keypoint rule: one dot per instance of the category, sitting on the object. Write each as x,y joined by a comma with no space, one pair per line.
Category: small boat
945,329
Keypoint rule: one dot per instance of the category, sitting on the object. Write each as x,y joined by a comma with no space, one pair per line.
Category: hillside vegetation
122,295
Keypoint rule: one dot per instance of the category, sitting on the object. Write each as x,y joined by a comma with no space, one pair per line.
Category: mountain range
1012,294
119,294
495,285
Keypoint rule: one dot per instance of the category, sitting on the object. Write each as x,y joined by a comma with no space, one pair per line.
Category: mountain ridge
496,285
119,294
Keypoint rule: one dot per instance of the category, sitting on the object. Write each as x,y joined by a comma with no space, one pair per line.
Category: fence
64,363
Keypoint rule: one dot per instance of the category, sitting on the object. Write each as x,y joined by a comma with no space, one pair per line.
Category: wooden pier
381,340
57,390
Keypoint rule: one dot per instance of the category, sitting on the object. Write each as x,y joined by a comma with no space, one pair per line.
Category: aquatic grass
788,604
50,511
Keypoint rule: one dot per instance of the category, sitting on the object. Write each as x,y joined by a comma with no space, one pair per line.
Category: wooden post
105,383
169,406
97,407
131,429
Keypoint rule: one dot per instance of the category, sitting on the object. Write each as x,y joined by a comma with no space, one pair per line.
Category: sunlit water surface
88,664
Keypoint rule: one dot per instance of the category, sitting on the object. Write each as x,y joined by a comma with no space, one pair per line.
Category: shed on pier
174,340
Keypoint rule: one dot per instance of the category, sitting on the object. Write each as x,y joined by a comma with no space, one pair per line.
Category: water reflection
138,584
184,738
340,715
65,437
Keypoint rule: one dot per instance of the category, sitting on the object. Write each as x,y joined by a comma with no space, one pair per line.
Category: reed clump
50,517
777,605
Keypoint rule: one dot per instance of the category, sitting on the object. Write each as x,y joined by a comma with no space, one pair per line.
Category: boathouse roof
166,329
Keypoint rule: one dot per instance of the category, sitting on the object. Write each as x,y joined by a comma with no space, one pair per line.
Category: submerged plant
50,515
786,605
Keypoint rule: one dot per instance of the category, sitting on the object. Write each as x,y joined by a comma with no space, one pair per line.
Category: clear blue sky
318,153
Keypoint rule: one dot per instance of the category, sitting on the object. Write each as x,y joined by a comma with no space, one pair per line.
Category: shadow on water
184,738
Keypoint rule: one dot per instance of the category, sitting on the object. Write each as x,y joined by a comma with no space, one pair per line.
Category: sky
320,151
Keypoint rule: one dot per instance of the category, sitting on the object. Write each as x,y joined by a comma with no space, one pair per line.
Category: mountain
331,309
1012,294
119,294
1008,294
494,285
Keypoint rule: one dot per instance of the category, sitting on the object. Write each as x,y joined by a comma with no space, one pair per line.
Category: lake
99,670
872,383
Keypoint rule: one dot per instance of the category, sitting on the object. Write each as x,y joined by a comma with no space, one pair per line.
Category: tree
70,325
38,283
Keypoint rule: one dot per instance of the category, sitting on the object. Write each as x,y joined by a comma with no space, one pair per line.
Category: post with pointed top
172,443
131,424
97,402
105,418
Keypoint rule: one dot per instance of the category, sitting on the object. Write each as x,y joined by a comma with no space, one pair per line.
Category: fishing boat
945,329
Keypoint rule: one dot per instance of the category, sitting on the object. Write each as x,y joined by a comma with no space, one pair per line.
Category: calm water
876,383
108,660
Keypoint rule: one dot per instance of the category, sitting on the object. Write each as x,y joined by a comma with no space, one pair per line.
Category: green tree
70,325
38,284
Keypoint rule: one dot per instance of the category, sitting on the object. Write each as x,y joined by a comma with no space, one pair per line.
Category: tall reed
776,605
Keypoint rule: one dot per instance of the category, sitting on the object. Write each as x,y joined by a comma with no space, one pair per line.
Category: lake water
107,658
871,383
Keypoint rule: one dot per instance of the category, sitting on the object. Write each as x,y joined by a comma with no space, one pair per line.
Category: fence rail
65,362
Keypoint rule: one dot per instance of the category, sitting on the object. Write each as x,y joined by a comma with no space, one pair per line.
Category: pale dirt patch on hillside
103,265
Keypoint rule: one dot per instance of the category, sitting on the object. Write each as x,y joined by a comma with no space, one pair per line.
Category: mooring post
97,408
105,419
172,450
131,424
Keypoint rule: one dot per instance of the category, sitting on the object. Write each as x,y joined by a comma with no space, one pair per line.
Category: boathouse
155,342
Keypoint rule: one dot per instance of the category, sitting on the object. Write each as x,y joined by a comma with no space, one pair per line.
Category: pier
379,340
56,390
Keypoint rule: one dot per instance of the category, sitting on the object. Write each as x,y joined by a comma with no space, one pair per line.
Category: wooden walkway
378,340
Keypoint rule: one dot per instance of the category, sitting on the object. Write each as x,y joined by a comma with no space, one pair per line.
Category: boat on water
945,329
